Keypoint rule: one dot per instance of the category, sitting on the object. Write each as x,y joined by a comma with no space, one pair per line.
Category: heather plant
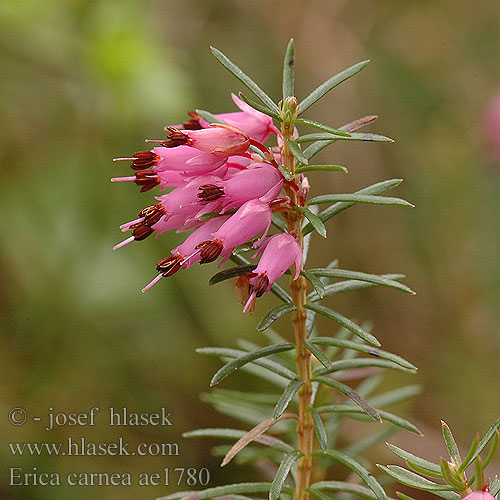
235,192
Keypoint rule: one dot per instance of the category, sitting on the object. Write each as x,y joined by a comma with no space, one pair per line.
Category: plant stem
303,356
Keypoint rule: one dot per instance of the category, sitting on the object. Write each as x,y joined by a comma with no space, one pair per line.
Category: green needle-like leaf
355,489
297,152
352,394
288,394
451,445
349,285
409,457
374,351
470,453
424,472
331,83
319,427
329,138
232,366
321,126
358,469
361,414
352,364
495,486
356,275
209,117
273,314
318,354
492,451
478,474
483,443
336,208
259,107
357,198
227,274
245,79
313,219
282,473
229,489
348,127
318,285
289,70
321,168
403,496
415,481
236,353
345,322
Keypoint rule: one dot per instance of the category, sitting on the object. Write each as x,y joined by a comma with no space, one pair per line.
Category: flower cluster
222,184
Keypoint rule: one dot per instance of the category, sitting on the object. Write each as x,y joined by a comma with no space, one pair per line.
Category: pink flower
250,219
186,254
170,167
177,209
254,123
279,253
218,139
258,181
479,495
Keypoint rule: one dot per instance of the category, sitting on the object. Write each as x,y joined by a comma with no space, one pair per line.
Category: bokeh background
83,81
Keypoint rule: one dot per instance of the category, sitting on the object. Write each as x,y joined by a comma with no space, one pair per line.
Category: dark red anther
176,138
193,123
140,231
260,284
146,179
210,250
169,265
145,159
152,214
210,192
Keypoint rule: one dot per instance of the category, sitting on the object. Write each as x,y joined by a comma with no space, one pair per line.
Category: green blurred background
85,81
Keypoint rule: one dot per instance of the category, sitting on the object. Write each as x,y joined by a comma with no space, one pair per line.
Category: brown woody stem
305,428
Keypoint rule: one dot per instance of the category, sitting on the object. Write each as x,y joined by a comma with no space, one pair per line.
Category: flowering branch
233,193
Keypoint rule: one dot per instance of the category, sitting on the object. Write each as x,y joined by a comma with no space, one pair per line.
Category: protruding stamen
210,250
260,284
152,214
140,231
151,283
146,179
210,192
249,301
128,225
176,138
122,179
124,242
169,265
142,160
155,141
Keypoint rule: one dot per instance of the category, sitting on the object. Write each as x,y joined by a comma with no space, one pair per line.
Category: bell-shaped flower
254,123
258,181
186,254
177,209
218,139
252,218
171,167
279,253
